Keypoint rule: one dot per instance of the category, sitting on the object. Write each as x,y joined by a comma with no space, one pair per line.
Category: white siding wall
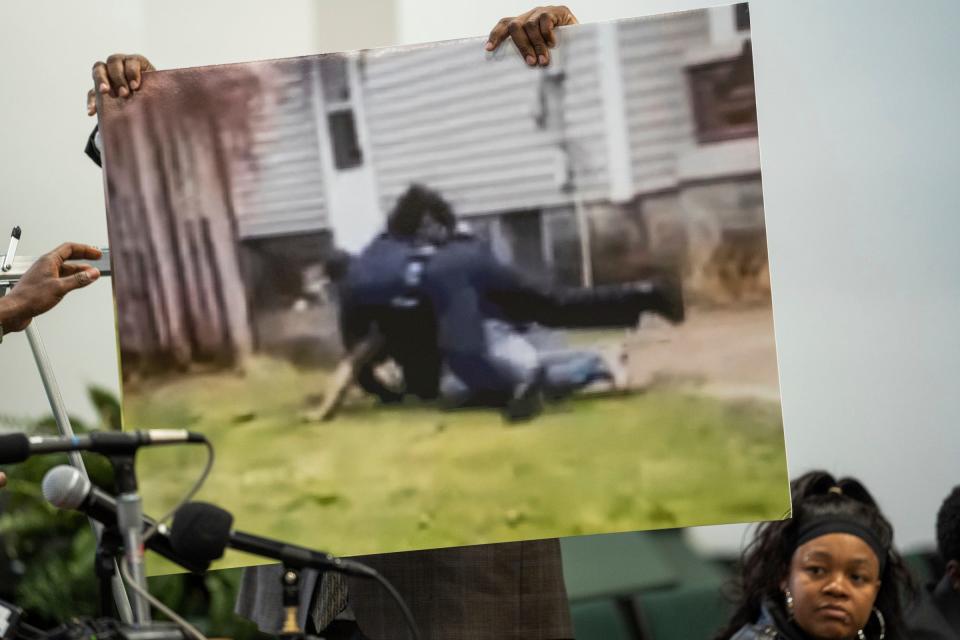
659,116
281,189
447,117
583,113
444,116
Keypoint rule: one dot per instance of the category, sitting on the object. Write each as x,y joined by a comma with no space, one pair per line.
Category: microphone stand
130,526
290,583
11,271
108,547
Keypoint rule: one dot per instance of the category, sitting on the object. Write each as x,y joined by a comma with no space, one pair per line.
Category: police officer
451,284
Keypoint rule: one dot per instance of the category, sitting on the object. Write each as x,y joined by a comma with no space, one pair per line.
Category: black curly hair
765,562
412,208
948,527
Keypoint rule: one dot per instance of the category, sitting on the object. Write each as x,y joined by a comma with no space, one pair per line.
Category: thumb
80,279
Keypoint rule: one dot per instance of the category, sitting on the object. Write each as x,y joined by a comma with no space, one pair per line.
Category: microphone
66,488
17,447
201,531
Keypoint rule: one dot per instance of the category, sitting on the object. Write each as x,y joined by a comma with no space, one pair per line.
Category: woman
829,572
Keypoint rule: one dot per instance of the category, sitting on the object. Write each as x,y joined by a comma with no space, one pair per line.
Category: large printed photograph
427,296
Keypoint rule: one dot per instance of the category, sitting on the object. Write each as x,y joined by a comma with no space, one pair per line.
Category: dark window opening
742,16
522,232
343,135
724,102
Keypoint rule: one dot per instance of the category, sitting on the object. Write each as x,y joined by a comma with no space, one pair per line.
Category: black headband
822,525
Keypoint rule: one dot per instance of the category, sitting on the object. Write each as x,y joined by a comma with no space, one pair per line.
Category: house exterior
616,160
634,152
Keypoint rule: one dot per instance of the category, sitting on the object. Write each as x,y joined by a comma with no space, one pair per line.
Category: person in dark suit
504,591
936,615
509,591
437,295
482,306
412,355
380,294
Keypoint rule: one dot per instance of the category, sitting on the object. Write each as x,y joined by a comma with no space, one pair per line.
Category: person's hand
120,76
46,282
3,479
532,32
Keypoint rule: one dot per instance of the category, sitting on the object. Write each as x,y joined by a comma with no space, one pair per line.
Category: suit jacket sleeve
91,149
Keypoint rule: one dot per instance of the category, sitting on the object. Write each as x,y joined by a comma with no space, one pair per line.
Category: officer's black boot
527,400
666,299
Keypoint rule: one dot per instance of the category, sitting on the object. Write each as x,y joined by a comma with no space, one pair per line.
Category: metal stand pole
130,525
63,425
66,429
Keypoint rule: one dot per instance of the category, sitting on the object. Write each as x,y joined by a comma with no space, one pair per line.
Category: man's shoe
527,400
667,298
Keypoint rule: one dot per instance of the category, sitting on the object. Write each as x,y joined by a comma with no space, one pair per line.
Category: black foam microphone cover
14,447
200,531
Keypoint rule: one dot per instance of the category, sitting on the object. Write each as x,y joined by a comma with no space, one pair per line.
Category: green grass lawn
413,477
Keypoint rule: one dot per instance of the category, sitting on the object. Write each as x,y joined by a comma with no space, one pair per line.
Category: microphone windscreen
14,447
65,487
200,531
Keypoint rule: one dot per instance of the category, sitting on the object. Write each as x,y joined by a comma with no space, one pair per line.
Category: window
335,82
741,13
724,101
343,135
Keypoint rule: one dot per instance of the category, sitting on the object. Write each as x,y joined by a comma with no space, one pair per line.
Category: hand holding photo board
429,296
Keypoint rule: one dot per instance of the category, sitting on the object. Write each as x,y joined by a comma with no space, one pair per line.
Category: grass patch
412,477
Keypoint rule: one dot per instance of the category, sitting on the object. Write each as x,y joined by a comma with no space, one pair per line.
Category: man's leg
568,371
517,360
506,375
